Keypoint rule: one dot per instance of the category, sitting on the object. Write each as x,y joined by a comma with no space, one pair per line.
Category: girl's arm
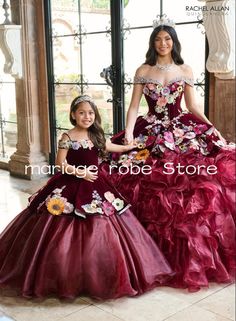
114,148
62,164
192,106
133,108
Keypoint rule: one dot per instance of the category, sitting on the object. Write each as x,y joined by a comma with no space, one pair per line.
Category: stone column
31,142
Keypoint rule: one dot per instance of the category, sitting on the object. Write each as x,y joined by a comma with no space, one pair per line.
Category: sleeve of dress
64,144
189,81
139,80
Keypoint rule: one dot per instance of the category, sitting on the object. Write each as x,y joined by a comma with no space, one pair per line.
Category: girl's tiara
162,20
83,98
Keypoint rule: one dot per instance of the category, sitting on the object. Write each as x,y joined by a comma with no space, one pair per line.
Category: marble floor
214,304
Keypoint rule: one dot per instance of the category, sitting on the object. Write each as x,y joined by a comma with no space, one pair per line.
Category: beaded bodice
164,100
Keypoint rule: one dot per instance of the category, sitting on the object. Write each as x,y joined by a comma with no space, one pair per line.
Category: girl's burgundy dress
191,216
79,238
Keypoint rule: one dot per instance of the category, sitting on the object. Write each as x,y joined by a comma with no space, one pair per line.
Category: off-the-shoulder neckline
75,144
80,140
75,140
144,80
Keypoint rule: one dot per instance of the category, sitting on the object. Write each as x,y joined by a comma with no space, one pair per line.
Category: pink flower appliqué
166,123
168,136
199,129
178,132
108,208
132,154
150,118
162,101
68,208
165,91
151,86
109,196
190,135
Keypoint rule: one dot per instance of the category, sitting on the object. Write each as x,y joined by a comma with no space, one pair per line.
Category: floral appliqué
56,204
164,94
108,207
75,144
181,138
133,157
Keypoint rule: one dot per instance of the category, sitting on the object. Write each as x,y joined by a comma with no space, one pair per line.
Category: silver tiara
162,20
83,98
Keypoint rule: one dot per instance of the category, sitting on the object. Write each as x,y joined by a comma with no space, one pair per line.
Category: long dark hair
95,131
151,55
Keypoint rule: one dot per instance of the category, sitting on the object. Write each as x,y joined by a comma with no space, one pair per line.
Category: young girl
78,235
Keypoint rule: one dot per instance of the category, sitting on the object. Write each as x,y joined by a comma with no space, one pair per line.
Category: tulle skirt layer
191,216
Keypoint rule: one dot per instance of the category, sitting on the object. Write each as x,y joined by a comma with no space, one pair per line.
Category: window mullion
118,65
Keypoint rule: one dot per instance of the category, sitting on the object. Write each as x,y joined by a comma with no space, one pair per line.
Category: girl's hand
221,138
90,176
89,173
129,137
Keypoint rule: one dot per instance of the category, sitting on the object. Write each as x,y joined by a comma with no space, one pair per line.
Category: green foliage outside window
105,4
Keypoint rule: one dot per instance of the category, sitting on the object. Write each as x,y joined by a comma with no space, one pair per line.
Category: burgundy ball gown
79,238
189,215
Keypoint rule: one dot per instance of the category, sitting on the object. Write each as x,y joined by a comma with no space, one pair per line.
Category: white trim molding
219,23
10,44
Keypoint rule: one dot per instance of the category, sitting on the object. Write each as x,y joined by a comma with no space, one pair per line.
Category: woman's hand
129,137
130,146
115,148
218,134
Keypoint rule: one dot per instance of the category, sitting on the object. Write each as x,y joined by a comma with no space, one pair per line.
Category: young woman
78,235
185,197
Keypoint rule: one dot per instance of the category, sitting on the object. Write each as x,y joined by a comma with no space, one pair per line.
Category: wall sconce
10,44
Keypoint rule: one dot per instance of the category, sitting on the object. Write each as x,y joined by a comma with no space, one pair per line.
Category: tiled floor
213,304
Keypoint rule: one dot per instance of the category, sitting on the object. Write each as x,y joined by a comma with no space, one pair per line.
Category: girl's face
84,115
163,43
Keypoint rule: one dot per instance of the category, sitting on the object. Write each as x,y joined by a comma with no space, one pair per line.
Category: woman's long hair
151,55
95,131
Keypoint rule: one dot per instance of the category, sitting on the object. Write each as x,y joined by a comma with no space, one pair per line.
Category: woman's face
163,43
84,115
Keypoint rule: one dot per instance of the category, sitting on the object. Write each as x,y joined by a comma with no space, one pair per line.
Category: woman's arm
192,106
190,99
114,148
133,108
